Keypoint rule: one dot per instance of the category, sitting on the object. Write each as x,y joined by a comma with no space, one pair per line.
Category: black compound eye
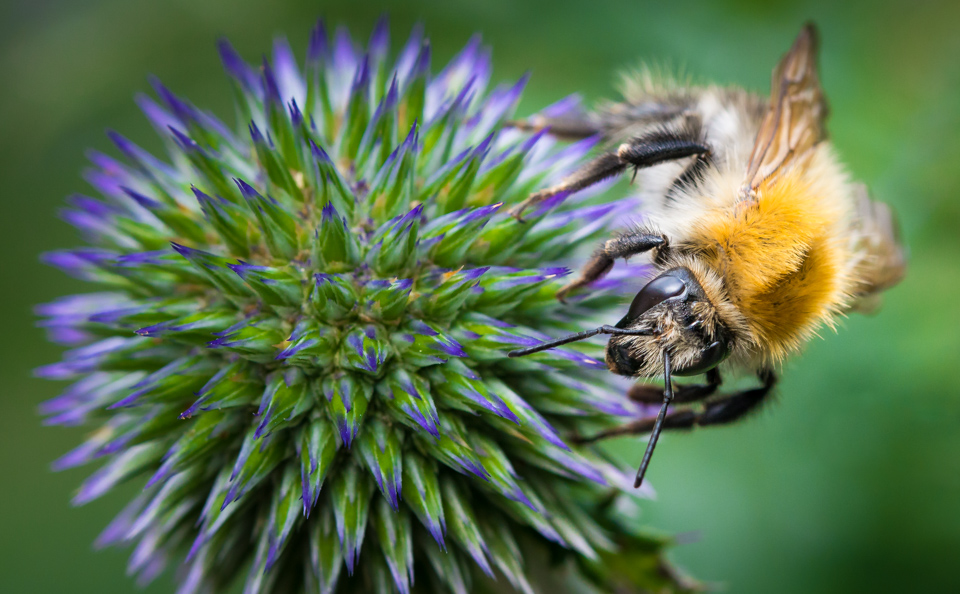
710,357
657,291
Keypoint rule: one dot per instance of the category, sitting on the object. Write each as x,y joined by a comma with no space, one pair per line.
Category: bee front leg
622,246
649,394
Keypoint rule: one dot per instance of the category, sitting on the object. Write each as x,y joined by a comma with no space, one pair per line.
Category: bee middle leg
622,246
717,412
645,151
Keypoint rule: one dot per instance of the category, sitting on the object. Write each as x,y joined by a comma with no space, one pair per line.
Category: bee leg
573,127
622,246
738,405
645,151
648,394
718,412
597,170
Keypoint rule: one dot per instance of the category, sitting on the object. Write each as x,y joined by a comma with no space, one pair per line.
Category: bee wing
881,256
794,122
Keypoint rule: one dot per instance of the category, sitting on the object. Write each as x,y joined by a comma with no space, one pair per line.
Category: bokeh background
849,483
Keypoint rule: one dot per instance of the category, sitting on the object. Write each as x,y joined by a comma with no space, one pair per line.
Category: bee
756,234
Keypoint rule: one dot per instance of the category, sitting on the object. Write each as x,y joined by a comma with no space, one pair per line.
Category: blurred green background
849,483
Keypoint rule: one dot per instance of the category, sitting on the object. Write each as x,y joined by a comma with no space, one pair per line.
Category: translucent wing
794,122
881,256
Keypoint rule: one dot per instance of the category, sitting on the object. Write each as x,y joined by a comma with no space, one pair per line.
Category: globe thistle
301,332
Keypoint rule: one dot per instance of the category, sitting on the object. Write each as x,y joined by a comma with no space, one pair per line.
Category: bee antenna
578,336
658,426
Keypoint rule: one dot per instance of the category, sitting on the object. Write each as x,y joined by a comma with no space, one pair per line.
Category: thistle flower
301,332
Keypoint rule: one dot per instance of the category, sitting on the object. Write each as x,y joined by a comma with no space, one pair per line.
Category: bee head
670,313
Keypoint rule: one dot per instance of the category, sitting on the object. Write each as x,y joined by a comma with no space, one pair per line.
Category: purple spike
318,49
108,164
564,160
318,153
296,117
428,425
513,93
344,55
194,549
144,201
550,203
449,346
422,66
91,206
584,469
347,433
85,222
473,273
139,258
288,78
104,183
243,270
411,140
187,144
185,112
529,143
247,190
76,457
138,155
296,348
393,95
407,57
408,218
372,359
422,328
380,38
202,198
587,215
481,213
474,467
356,343
464,59
255,134
238,68
569,106
159,117
118,528
361,79
329,213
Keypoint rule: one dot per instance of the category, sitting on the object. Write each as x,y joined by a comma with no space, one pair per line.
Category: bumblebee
757,235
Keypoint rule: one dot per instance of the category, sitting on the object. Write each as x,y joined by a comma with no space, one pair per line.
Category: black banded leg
646,151
597,170
718,412
647,394
622,246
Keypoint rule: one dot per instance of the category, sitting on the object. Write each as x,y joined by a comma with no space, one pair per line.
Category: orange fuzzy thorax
779,261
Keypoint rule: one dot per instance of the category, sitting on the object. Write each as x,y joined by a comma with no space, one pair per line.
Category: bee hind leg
577,126
718,412
622,246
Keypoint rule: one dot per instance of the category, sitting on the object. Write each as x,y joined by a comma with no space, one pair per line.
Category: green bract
301,340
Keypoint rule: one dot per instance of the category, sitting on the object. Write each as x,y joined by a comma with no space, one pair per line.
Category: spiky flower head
300,340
